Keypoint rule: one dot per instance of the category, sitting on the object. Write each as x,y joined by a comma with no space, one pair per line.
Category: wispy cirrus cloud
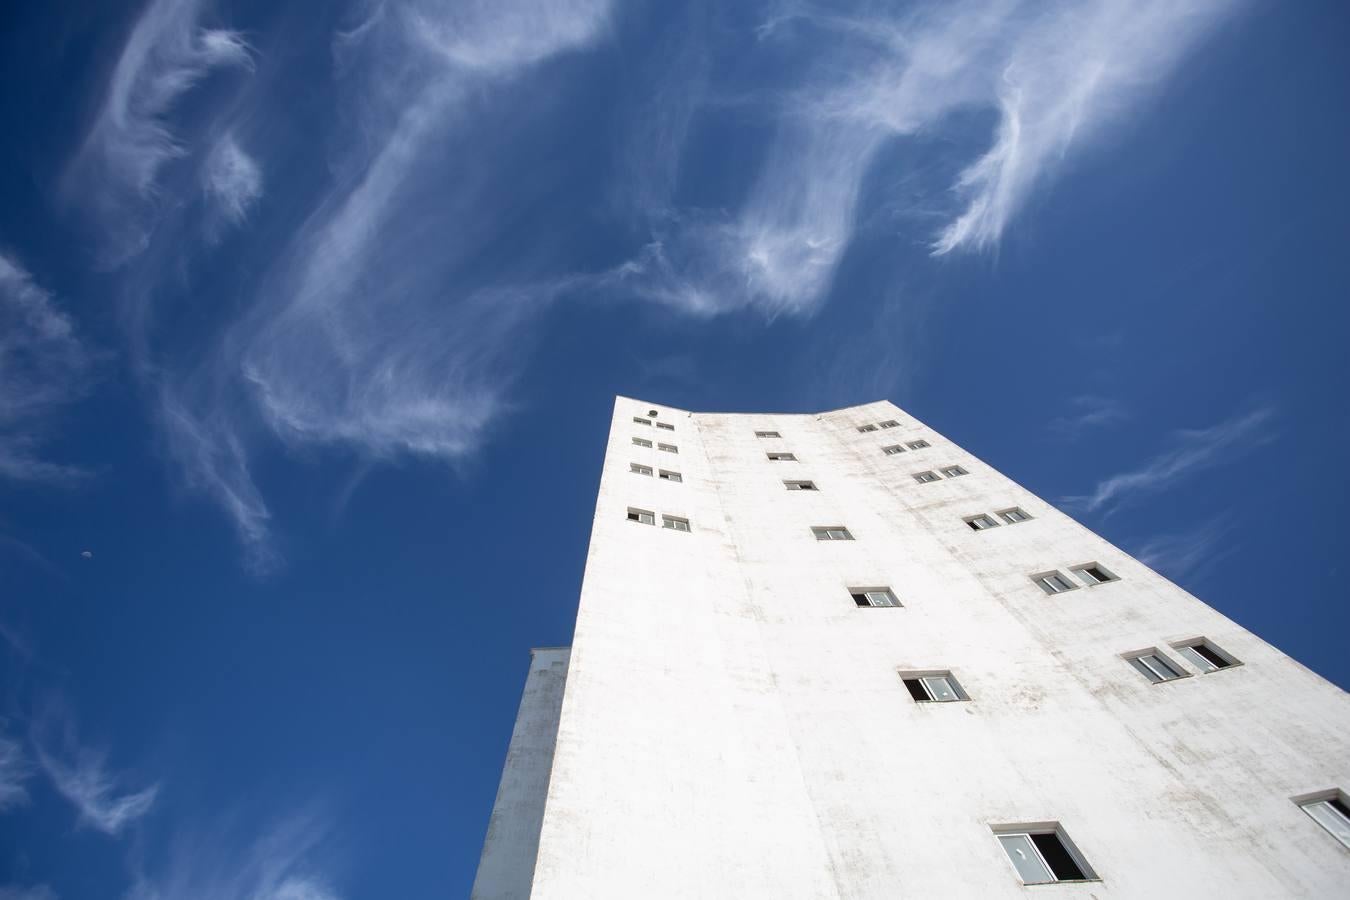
1087,412
44,368
115,176
232,179
1187,553
284,860
15,770
1058,75
81,775
1195,450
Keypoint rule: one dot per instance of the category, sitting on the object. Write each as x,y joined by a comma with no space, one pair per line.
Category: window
866,428
674,523
782,457
918,445
800,485
933,687
1205,656
642,442
1043,854
670,476
641,516
1154,666
1331,812
981,522
1013,516
767,434
652,413
925,477
639,469
665,425
831,533
868,598
1093,574
669,448
893,450
890,423
642,421
953,471
1053,582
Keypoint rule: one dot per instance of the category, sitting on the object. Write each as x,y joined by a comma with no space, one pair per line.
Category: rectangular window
1154,666
666,426
1013,516
642,421
669,448
868,598
767,434
782,457
893,450
831,533
639,469
641,516
1092,574
935,687
674,523
642,442
981,522
1053,582
1043,855
670,476
800,485
918,445
1332,813
953,471
889,423
867,428
1205,656
925,477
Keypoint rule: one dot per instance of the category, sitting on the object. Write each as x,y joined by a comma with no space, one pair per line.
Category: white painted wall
733,726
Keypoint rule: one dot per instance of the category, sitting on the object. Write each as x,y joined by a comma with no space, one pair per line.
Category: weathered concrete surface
506,866
734,726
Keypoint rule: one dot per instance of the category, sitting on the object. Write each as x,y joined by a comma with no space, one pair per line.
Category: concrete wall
734,726
506,866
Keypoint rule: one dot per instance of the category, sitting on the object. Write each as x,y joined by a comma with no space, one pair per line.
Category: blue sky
311,317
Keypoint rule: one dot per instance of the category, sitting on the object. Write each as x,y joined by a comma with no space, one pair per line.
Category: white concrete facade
734,725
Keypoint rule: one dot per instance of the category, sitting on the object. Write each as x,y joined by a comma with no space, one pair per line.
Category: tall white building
838,656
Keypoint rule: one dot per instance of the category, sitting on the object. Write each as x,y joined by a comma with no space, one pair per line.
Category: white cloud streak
1089,411
232,179
1057,74
1195,451
81,775
15,770
116,174
1185,554
44,367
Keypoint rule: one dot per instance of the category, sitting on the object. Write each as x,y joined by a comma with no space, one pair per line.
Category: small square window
890,423
641,516
953,471
767,434
782,457
1331,812
1043,854
831,533
674,523
926,477
1094,574
872,598
670,476
639,469
1155,666
1205,656
642,421
981,522
800,485
666,426
893,450
866,428
642,442
918,445
669,448
1014,515
1053,582
933,687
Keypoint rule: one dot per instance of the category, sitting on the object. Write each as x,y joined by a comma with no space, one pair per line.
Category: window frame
954,471
827,532
781,456
639,469
1092,580
889,423
1003,514
920,444
867,592
1338,807
636,515
1040,580
1136,659
919,477
668,475
801,486
768,435
916,682
1199,661
664,426
641,421
668,448
893,450
642,442
864,429
1029,831
971,520
673,523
